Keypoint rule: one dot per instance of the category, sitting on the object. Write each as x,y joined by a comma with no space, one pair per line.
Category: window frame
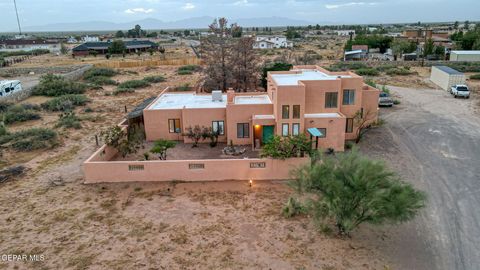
293,129
348,99
241,126
323,131
327,103
285,127
218,125
298,112
175,128
287,107
349,128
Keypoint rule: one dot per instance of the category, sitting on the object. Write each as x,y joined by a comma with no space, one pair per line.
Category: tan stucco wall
156,124
239,113
203,118
335,132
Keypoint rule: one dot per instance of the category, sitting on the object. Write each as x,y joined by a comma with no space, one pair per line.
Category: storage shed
446,77
467,56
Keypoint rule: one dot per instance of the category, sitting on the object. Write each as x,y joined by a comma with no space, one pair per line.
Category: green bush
154,79
133,84
69,120
184,72
371,83
18,113
53,85
344,66
30,139
475,77
286,147
123,91
367,72
65,103
102,80
398,71
189,67
97,72
184,87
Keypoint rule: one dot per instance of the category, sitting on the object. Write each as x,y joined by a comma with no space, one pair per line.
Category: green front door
267,133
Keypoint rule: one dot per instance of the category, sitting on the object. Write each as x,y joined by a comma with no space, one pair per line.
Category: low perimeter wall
98,169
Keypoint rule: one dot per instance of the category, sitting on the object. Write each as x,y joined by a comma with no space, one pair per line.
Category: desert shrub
99,72
293,208
102,80
88,110
286,147
371,83
11,172
475,77
399,71
133,84
183,87
119,91
184,72
65,103
465,66
344,66
160,148
349,145
69,120
367,72
3,129
53,85
396,102
154,79
190,68
4,105
30,139
385,89
384,68
17,113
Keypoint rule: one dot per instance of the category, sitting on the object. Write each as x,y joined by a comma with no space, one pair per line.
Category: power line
18,20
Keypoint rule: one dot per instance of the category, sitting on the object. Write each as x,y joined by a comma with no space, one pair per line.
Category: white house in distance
11,45
271,42
90,39
344,32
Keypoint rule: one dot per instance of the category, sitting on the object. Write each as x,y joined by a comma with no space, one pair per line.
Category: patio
183,151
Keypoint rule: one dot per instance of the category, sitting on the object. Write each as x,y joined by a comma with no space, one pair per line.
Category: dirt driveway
433,140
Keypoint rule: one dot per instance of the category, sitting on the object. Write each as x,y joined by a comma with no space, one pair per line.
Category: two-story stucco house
296,100
271,42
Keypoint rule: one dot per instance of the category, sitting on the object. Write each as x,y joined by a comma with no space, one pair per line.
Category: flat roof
322,115
304,75
449,70
187,100
466,52
253,99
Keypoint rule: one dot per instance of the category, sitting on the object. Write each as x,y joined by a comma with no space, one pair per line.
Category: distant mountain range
152,23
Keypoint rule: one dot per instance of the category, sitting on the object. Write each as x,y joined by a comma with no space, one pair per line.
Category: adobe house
101,47
306,99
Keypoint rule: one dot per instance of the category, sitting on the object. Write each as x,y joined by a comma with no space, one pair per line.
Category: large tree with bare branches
244,64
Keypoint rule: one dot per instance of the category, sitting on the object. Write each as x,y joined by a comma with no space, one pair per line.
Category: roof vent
217,95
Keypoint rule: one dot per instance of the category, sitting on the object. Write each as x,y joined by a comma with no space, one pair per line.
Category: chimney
230,96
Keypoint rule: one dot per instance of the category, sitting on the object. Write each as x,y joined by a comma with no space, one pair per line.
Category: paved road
433,140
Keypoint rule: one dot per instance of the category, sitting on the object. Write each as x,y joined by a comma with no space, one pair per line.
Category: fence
98,169
150,63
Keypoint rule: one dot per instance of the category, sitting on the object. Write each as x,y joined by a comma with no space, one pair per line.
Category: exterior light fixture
250,183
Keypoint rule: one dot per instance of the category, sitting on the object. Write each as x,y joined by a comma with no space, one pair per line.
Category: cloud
139,10
188,6
242,3
334,6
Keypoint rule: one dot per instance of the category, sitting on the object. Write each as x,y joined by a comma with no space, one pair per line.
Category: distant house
10,45
90,39
354,55
72,40
102,47
364,48
344,32
271,42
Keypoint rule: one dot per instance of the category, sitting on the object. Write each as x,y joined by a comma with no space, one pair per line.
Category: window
218,126
295,129
348,97
323,131
174,126
285,130
243,130
285,111
331,99
349,128
296,112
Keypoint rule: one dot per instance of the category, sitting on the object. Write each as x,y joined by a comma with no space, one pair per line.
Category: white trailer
446,77
8,87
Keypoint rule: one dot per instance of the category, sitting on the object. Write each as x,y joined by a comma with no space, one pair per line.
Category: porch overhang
263,120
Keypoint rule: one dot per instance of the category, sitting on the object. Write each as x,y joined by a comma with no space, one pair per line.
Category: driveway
433,141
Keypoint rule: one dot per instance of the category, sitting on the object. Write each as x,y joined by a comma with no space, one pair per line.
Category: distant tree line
467,39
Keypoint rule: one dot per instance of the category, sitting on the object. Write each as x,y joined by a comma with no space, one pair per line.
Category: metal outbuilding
446,77
467,56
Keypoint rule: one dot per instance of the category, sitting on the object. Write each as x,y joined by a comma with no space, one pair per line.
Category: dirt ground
432,140
183,151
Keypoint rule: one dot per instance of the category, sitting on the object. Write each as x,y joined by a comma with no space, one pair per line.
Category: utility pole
18,20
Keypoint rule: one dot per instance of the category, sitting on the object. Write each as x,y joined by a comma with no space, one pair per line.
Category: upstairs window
348,97
331,99
296,111
285,111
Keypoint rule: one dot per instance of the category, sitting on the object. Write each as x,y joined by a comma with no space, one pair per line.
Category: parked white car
8,87
460,90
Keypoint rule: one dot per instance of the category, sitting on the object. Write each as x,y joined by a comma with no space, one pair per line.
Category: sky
43,12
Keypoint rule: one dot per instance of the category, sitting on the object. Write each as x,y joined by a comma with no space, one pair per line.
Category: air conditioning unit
217,96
